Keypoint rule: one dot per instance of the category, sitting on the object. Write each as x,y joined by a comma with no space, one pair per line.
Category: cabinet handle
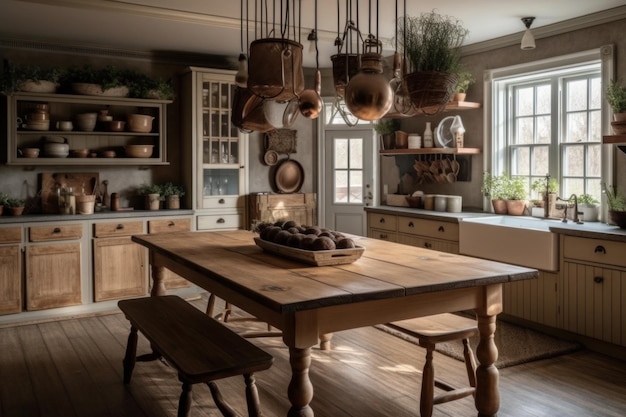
171,223
411,224
221,201
120,226
382,220
221,220
56,230
428,245
598,280
600,249
441,229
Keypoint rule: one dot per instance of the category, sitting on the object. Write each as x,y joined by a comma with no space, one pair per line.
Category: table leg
158,287
300,389
487,392
325,341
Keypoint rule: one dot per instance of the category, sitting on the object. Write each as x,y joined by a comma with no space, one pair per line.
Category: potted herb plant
515,194
493,188
539,186
617,205
616,96
589,206
431,45
152,195
172,194
88,80
142,86
465,80
386,129
14,206
29,78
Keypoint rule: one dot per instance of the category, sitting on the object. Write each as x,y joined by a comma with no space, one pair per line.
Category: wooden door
53,276
119,268
10,279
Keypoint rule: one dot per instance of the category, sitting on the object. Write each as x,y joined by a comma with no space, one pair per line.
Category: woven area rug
515,344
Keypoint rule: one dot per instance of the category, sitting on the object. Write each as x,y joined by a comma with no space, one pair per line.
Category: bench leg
252,396
221,404
184,403
131,352
428,384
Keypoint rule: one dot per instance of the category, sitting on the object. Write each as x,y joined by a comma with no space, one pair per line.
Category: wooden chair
197,346
225,316
436,329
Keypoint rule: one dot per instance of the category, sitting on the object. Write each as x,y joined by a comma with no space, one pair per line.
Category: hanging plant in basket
430,44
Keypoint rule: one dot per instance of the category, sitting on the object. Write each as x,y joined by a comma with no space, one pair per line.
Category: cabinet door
53,275
593,302
10,279
533,299
119,268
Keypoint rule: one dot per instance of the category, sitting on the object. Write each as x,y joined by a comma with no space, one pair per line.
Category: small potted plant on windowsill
172,194
493,188
152,195
589,206
386,129
14,206
515,194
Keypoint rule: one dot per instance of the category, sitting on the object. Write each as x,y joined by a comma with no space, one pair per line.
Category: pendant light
241,77
368,94
528,40
310,102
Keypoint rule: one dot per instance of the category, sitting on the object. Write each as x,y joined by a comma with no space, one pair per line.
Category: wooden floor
74,368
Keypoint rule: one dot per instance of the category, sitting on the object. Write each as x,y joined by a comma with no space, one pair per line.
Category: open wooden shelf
620,139
453,105
432,151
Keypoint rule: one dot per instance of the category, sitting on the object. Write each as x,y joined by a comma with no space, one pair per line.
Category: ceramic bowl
108,154
80,153
29,152
139,151
38,125
117,126
140,123
56,150
86,122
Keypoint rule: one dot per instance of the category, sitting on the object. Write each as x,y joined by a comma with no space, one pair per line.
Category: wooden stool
196,345
430,331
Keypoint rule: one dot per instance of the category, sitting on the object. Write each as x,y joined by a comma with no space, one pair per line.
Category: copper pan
247,112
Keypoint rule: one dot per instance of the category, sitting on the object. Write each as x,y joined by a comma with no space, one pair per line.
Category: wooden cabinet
10,269
534,300
66,107
170,279
300,207
382,226
215,149
593,288
119,265
53,268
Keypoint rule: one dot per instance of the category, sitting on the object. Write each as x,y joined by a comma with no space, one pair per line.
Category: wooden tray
317,258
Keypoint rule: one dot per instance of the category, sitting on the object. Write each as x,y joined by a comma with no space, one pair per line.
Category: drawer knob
221,201
120,226
411,224
441,229
382,220
383,236
171,224
428,245
56,230
598,280
600,249
221,220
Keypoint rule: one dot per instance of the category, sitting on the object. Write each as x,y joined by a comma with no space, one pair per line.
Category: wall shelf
453,105
614,139
431,151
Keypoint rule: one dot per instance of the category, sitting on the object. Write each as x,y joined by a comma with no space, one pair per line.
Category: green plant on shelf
169,188
149,189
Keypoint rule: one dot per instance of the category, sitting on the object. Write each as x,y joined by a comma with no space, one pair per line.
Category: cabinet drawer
50,233
594,250
118,229
382,221
223,202
169,225
430,228
382,235
219,221
11,235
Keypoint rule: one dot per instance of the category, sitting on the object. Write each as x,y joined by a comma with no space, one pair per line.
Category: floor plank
74,368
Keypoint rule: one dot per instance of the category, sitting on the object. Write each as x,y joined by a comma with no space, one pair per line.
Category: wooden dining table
389,282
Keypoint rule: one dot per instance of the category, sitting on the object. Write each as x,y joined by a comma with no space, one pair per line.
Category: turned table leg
158,287
487,392
300,389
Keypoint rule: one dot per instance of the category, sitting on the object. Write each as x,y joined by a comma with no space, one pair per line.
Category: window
551,124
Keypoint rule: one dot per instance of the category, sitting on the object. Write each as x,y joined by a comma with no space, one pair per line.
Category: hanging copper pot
310,101
275,69
345,66
247,112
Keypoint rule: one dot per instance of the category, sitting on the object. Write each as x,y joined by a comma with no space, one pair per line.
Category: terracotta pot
460,97
619,117
515,207
499,206
14,211
153,201
172,202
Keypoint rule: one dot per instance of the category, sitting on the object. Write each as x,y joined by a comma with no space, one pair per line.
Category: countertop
102,215
593,230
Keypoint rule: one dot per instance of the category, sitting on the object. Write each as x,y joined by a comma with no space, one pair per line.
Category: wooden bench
435,329
197,346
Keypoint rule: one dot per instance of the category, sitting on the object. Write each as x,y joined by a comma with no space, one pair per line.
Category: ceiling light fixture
528,40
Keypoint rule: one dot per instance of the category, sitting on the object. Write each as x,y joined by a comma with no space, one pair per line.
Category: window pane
341,153
576,95
595,101
521,161
341,186
540,160
576,127
544,99
594,188
574,160
544,129
525,101
595,128
594,161
573,186
356,187
356,153
524,131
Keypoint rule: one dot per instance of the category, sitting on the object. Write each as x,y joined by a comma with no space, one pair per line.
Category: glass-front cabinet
218,149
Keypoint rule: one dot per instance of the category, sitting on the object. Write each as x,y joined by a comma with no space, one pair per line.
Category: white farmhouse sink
524,241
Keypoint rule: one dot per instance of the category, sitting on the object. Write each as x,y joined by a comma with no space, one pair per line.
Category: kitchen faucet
576,219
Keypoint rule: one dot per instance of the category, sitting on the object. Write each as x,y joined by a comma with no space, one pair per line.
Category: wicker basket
429,90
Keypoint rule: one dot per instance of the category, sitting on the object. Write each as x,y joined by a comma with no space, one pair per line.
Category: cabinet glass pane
220,182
